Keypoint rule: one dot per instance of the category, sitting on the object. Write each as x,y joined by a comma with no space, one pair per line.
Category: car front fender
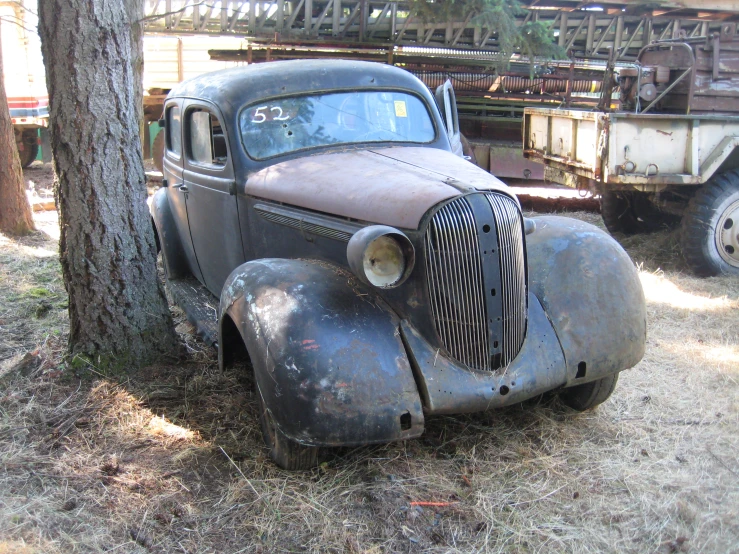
327,353
591,292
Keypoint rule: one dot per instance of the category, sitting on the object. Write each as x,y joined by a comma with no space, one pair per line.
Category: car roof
232,88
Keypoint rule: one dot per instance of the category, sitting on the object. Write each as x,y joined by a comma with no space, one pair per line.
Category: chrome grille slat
462,317
456,283
513,274
476,300
448,251
432,278
455,280
442,311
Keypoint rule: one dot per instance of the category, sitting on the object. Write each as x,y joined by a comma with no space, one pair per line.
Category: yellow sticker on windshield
400,110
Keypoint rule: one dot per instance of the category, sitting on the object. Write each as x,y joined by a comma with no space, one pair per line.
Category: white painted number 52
261,117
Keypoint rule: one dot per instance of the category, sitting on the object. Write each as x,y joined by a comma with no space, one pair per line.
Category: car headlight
380,256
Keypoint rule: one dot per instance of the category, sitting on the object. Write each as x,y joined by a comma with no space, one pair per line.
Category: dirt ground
170,459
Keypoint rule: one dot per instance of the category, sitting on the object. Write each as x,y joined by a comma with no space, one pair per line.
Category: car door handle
183,188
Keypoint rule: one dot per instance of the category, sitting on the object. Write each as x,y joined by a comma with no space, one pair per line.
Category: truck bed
646,151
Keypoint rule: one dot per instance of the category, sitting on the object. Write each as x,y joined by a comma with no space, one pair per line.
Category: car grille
455,274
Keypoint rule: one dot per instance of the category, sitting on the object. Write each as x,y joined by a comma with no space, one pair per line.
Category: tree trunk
118,313
135,15
15,213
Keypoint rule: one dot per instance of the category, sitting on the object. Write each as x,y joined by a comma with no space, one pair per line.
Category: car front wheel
589,395
285,452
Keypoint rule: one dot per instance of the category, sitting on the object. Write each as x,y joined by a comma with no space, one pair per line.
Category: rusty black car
318,217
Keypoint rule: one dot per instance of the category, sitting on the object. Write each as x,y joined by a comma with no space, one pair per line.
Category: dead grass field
170,459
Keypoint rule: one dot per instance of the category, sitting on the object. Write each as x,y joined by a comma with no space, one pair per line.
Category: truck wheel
29,152
710,228
631,213
589,395
157,151
285,452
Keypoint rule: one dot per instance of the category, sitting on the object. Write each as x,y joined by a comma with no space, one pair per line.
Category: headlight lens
381,256
384,262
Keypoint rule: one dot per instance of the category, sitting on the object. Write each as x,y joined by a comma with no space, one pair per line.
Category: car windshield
286,125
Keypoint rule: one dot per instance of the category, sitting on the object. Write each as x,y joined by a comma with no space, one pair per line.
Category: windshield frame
337,145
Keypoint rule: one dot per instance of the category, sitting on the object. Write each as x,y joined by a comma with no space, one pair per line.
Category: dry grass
171,459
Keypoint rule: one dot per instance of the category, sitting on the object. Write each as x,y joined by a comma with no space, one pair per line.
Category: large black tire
285,452
589,395
28,154
710,227
631,213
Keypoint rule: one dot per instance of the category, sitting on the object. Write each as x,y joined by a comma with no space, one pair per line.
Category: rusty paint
390,186
449,387
327,355
609,338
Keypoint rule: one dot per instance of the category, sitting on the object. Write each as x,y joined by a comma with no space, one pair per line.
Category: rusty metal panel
565,137
665,149
562,137
392,186
714,83
327,353
506,160
537,137
586,139
574,266
448,387
642,150
654,145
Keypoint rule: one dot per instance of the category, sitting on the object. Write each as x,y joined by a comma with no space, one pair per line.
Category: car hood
389,186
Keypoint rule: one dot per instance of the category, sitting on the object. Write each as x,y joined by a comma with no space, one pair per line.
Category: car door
211,195
172,169
447,102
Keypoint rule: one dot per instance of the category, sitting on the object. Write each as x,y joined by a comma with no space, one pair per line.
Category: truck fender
173,256
591,293
327,353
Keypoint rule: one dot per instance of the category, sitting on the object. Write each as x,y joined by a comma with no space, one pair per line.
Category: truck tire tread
699,222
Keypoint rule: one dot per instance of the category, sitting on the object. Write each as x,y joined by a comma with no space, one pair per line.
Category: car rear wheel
285,452
589,395
631,213
710,227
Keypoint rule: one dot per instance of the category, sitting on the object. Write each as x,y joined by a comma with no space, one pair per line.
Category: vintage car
315,216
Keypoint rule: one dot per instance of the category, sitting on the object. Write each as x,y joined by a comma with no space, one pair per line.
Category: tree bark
117,309
15,213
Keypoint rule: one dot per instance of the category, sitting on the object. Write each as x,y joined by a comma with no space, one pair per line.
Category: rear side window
174,131
207,143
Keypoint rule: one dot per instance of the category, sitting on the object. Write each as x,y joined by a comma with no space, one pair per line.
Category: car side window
206,141
173,129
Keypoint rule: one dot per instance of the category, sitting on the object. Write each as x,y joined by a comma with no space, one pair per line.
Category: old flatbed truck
667,155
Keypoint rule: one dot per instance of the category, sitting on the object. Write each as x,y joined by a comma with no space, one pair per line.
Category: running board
199,305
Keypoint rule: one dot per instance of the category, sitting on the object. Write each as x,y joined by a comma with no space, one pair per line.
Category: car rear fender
591,293
327,353
173,256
